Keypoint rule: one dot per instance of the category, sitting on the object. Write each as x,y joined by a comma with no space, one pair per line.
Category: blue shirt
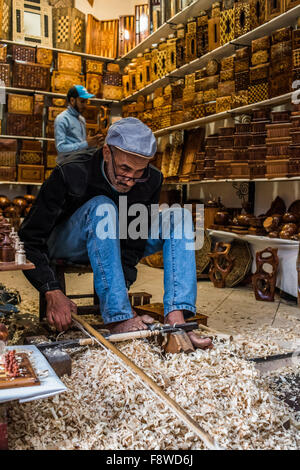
70,132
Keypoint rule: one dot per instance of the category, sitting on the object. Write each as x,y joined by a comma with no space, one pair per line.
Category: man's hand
59,308
96,141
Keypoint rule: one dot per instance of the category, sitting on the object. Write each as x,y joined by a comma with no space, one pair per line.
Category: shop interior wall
108,10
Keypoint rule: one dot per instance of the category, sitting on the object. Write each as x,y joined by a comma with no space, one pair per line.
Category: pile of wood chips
106,407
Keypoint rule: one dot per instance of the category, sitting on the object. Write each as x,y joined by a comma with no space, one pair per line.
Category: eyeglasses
128,178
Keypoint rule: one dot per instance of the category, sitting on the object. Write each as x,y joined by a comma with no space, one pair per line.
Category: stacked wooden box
294,149
224,152
241,77
30,167
67,73
94,77
296,54
5,70
258,148
24,115
281,62
226,85
26,72
241,142
112,83
8,161
278,142
211,144
259,73
51,156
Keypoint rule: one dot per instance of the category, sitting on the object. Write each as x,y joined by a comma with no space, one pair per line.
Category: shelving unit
285,19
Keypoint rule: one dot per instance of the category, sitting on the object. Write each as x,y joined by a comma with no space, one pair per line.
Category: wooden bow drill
148,382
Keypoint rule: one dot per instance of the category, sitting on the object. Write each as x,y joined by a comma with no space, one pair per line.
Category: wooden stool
62,267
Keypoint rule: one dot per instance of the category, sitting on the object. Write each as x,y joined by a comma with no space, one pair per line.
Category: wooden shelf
167,28
285,19
53,95
250,238
278,100
47,139
18,183
83,54
228,180
16,267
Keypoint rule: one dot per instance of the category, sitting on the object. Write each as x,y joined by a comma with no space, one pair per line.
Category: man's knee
97,201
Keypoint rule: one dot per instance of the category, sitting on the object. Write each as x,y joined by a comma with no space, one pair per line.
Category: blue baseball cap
132,136
79,91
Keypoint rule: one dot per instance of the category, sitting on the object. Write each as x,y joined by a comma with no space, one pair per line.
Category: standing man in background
70,125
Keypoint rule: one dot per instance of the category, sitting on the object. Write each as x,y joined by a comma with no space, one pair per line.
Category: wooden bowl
289,218
4,201
29,198
221,218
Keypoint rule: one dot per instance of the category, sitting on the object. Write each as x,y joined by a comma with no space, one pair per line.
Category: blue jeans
76,241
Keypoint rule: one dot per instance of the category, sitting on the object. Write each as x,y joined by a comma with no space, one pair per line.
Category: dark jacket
74,182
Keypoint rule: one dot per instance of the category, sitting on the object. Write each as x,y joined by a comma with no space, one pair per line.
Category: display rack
285,19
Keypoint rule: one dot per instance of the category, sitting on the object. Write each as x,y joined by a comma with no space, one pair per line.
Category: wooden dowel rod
190,422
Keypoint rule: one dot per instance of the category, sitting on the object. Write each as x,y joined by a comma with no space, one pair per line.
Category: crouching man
76,217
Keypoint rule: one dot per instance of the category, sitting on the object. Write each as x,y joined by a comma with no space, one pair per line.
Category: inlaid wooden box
24,124
91,114
38,104
281,35
242,80
239,99
32,22
281,67
226,75
94,66
7,173
227,26
202,34
226,88
69,29
62,81
24,53
8,152
53,112
111,92
154,64
259,92
296,39
241,18
223,103
241,65
20,104
280,85
32,76
3,52
260,57
44,56
31,173
162,59
281,50
257,12
260,44
69,63
94,84
213,33
259,73
30,157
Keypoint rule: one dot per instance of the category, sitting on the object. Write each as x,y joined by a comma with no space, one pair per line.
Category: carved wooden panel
69,62
32,22
142,22
20,104
62,3
69,29
32,76
62,81
53,113
257,12
102,37
126,34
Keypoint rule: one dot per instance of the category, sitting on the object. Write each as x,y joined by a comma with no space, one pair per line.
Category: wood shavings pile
107,408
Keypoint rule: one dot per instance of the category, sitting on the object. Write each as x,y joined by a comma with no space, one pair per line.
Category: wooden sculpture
222,264
264,282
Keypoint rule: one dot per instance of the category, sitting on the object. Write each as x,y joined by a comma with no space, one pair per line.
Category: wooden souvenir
264,282
259,73
62,82
257,170
223,104
3,52
155,14
30,157
274,8
126,34
198,111
51,160
91,114
38,104
213,33
180,45
296,58
221,264
227,26
69,63
34,145
241,65
260,57
32,22
8,152
32,76
241,18
260,44
194,141
277,168
162,58
22,124
126,86
226,75
102,37
142,22
242,81
240,170
239,98
281,35
50,130
257,13
44,56
59,102
20,104
226,88
31,173
259,92
24,53
296,39
280,85
7,173
202,34
210,95
94,66
69,29
5,19
210,108
154,63
53,112
191,40
94,84
171,53
281,50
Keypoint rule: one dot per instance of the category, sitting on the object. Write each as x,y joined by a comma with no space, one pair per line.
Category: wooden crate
31,173
126,34
69,29
102,37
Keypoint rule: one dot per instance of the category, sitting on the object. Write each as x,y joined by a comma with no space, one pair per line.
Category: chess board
69,29
28,377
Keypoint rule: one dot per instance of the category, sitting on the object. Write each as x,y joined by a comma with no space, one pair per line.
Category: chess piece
20,255
7,252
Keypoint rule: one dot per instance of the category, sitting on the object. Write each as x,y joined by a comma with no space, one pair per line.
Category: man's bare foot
133,324
177,317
